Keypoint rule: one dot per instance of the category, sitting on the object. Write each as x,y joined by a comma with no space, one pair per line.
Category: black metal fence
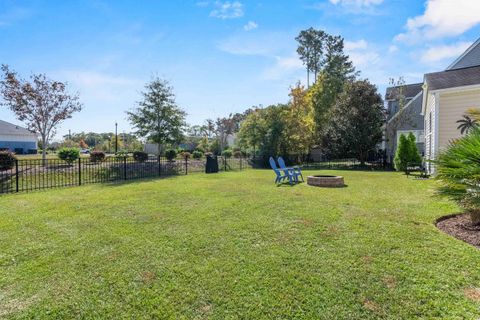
34,174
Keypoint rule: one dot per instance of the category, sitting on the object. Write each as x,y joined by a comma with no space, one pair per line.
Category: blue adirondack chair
295,170
280,174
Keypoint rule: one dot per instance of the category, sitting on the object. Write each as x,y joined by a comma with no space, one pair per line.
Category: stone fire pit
326,181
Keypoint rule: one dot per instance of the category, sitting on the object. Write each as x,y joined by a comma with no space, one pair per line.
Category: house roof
8,128
411,90
453,78
470,58
414,106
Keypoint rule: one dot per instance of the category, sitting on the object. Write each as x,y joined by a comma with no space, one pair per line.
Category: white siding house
447,95
17,139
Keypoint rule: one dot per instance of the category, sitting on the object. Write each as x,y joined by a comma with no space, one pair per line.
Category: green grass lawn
232,245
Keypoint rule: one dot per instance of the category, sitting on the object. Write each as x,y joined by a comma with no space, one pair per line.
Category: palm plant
466,124
458,170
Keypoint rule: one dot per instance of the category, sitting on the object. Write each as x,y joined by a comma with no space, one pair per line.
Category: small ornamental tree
97,156
69,155
407,153
227,153
415,158
458,170
41,103
82,144
402,155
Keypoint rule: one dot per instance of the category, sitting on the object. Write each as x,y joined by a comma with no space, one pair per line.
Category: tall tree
41,103
310,49
157,117
356,123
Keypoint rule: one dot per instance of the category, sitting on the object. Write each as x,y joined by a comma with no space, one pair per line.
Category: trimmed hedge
7,160
97,156
68,155
140,156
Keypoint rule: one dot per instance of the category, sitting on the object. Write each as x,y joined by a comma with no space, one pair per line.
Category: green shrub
171,154
97,156
407,153
7,160
197,154
458,170
68,155
227,153
140,156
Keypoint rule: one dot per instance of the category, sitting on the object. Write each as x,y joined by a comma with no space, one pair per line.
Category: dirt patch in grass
460,227
371,305
472,294
390,282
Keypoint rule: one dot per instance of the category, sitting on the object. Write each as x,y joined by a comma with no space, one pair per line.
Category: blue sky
220,56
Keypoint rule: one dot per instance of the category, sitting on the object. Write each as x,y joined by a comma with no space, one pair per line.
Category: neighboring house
403,120
447,96
17,139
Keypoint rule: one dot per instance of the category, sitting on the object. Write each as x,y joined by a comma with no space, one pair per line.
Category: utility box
212,164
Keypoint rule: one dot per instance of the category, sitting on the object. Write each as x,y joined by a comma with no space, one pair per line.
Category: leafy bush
407,153
227,153
7,160
186,155
197,154
68,155
171,154
140,156
97,156
458,170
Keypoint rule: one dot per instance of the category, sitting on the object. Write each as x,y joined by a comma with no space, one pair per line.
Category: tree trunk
475,216
44,151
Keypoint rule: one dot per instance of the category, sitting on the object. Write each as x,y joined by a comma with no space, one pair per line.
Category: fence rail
28,175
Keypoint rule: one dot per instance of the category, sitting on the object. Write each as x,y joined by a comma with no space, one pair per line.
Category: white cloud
439,53
100,86
442,18
353,45
227,10
285,67
250,26
392,48
357,6
360,54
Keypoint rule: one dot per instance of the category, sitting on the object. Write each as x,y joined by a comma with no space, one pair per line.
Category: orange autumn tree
83,144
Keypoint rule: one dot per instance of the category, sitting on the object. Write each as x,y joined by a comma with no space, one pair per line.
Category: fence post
240,163
159,166
186,165
225,162
125,168
16,175
80,171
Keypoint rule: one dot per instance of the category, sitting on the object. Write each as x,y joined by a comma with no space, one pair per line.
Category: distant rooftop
8,128
411,90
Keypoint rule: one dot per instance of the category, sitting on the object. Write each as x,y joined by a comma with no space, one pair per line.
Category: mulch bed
460,227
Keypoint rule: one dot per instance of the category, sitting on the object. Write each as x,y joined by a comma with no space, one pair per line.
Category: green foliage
7,160
407,153
68,155
458,170
157,117
140,156
355,127
97,156
197,154
171,154
227,153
